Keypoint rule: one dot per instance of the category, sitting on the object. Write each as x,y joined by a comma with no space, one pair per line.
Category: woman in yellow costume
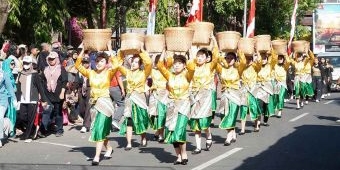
135,113
158,100
265,89
250,104
228,70
178,105
280,85
302,64
201,96
102,107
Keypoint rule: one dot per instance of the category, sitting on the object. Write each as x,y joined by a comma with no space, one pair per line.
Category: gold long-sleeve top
204,74
178,85
308,67
229,76
99,82
265,72
158,80
302,67
136,79
248,73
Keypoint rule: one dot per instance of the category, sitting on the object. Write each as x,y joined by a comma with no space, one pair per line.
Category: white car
334,58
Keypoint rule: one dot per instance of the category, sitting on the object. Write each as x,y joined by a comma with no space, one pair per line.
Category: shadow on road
160,154
311,147
331,118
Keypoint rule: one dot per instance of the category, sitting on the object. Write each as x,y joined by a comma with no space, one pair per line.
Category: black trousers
26,118
318,87
84,110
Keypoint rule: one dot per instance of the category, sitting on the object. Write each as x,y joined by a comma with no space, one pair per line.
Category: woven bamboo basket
202,33
307,47
280,46
131,43
154,43
299,46
263,43
178,38
96,39
246,45
228,40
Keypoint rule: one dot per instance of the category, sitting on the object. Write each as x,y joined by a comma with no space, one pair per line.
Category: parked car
334,58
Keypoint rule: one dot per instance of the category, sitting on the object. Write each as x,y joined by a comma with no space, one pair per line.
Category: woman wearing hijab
29,90
55,79
101,104
7,66
7,99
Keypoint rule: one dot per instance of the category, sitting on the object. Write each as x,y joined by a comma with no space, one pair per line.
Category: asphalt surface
305,139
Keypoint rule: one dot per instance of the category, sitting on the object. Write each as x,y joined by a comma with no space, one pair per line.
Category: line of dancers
183,94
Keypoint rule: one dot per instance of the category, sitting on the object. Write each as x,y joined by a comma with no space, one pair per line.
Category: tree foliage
33,21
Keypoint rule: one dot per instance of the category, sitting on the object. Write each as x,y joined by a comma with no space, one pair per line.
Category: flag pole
245,19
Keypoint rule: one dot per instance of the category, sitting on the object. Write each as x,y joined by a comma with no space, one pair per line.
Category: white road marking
298,117
58,144
202,166
329,102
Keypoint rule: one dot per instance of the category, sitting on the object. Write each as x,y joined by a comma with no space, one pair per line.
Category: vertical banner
196,12
251,20
152,17
292,22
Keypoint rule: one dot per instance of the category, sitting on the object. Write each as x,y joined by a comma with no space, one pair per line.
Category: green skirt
268,109
279,98
253,108
180,132
158,122
100,128
229,121
214,100
303,89
140,119
200,124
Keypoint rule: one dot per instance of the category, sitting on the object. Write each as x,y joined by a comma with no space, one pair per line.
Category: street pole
117,26
245,19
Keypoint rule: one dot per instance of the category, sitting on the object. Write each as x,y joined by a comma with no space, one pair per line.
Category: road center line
212,161
329,102
58,144
298,117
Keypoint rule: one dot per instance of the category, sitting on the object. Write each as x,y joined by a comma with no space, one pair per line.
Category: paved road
304,139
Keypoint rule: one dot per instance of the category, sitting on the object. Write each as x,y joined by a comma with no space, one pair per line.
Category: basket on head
202,33
280,46
154,43
96,39
228,40
246,45
131,43
263,43
307,46
299,46
178,38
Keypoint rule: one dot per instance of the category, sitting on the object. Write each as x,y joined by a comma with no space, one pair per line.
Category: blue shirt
6,89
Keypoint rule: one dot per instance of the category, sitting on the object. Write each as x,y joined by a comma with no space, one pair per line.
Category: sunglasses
26,63
51,59
12,64
85,62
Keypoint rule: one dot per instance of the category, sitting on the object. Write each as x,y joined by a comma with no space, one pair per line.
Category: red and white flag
292,22
251,20
152,17
196,12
